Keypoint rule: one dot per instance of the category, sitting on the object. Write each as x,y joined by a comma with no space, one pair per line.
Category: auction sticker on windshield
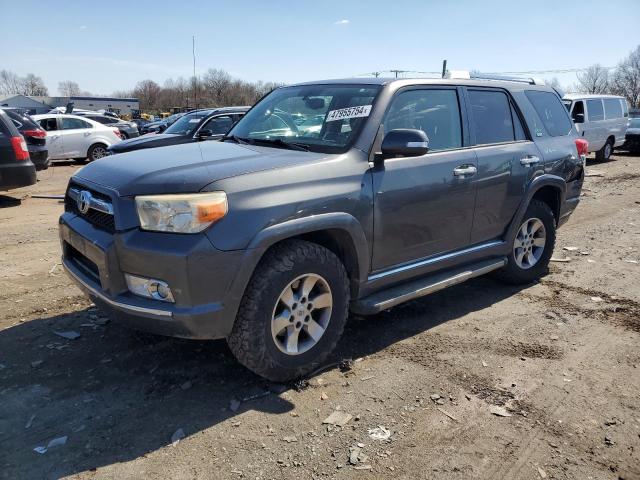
349,112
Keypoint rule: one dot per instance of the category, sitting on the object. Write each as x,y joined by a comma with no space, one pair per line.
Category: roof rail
488,76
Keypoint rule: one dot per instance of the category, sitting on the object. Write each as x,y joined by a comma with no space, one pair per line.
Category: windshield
186,125
634,123
322,118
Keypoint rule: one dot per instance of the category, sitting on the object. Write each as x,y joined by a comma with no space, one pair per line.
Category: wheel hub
301,314
529,243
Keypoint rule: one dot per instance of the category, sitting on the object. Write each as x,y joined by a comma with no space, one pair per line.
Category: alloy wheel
529,243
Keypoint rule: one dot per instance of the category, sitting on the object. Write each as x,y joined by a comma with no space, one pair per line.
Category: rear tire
604,154
96,151
279,332
532,246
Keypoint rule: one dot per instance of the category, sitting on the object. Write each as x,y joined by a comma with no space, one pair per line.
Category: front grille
100,219
89,268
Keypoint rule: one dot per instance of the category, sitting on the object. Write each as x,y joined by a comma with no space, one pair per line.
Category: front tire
293,311
97,151
604,154
532,246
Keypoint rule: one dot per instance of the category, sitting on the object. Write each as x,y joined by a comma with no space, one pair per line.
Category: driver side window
435,112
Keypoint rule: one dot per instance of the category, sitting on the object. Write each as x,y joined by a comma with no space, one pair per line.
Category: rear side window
612,108
492,117
435,112
74,123
219,125
595,110
551,111
49,124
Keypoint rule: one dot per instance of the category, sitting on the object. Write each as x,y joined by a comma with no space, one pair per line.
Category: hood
144,142
186,168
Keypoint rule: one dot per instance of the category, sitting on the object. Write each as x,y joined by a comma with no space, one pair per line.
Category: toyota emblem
84,201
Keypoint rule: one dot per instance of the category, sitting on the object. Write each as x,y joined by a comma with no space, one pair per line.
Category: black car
127,129
387,190
16,168
161,125
34,135
209,124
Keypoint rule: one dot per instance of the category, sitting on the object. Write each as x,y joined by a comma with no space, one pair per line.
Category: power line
396,72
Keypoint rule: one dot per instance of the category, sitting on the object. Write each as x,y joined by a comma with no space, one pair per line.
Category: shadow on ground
119,395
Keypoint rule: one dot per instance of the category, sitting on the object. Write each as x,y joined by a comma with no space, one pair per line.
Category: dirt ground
561,357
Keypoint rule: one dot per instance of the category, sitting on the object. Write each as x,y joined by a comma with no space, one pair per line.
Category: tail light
20,148
118,133
583,146
36,133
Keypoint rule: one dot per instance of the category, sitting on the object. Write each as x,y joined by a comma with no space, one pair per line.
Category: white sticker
350,112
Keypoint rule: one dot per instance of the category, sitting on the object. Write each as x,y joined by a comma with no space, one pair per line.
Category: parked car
80,138
33,135
140,123
632,136
209,124
16,168
160,126
599,119
127,129
268,237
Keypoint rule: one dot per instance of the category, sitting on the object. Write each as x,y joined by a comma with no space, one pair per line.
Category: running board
424,286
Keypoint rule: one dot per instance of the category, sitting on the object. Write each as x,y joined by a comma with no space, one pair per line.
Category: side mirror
578,118
161,128
405,142
205,133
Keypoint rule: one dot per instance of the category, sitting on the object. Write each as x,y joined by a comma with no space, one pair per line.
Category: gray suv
325,197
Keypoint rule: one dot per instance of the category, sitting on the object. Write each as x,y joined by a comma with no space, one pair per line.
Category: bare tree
33,85
148,92
626,78
555,83
10,83
68,88
594,79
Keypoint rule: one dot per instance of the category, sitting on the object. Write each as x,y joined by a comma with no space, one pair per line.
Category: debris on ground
55,442
560,260
499,411
338,418
324,396
69,335
609,441
593,173
177,436
356,456
346,365
570,249
597,299
542,473
379,433
443,411
290,439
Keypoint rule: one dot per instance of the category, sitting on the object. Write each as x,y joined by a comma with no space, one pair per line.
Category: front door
424,205
55,145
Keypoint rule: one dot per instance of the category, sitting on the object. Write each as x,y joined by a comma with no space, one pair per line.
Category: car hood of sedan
186,168
145,141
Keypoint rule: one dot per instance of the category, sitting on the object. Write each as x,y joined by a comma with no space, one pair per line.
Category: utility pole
444,68
195,83
397,72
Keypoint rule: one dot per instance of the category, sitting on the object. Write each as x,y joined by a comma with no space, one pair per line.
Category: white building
37,104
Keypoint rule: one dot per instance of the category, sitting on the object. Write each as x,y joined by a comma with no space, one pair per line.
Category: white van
600,119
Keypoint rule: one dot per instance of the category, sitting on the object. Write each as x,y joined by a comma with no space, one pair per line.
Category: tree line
216,88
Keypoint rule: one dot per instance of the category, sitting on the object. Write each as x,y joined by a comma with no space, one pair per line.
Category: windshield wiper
281,143
237,139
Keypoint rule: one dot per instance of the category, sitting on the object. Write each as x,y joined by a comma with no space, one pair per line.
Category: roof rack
487,76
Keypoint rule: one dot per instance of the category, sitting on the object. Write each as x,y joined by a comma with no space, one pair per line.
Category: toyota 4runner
325,197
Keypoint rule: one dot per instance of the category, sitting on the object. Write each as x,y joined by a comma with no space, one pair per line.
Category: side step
424,286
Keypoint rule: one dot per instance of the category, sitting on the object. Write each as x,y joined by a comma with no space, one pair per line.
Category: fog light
149,288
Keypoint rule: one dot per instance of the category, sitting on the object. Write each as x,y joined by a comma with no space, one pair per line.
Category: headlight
186,213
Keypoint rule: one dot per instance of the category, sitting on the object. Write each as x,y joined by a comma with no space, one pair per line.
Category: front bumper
632,143
200,277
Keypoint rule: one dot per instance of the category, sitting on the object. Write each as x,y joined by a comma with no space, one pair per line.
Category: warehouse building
37,104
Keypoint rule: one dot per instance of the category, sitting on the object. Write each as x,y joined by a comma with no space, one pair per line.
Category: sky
109,46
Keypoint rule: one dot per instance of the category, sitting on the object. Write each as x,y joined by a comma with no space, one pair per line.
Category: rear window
612,108
551,111
493,118
595,110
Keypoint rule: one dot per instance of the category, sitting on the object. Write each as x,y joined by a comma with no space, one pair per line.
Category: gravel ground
560,358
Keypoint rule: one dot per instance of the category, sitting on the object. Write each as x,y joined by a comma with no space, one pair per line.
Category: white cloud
342,22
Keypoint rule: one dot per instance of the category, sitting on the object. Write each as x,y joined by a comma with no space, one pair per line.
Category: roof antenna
444,68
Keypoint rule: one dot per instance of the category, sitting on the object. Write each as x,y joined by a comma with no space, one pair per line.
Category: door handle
86,134
54,137
529,160
464,170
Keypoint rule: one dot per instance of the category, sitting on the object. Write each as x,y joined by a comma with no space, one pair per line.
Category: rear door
506,157
615,122
422,207
594,128
55,142
77,136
